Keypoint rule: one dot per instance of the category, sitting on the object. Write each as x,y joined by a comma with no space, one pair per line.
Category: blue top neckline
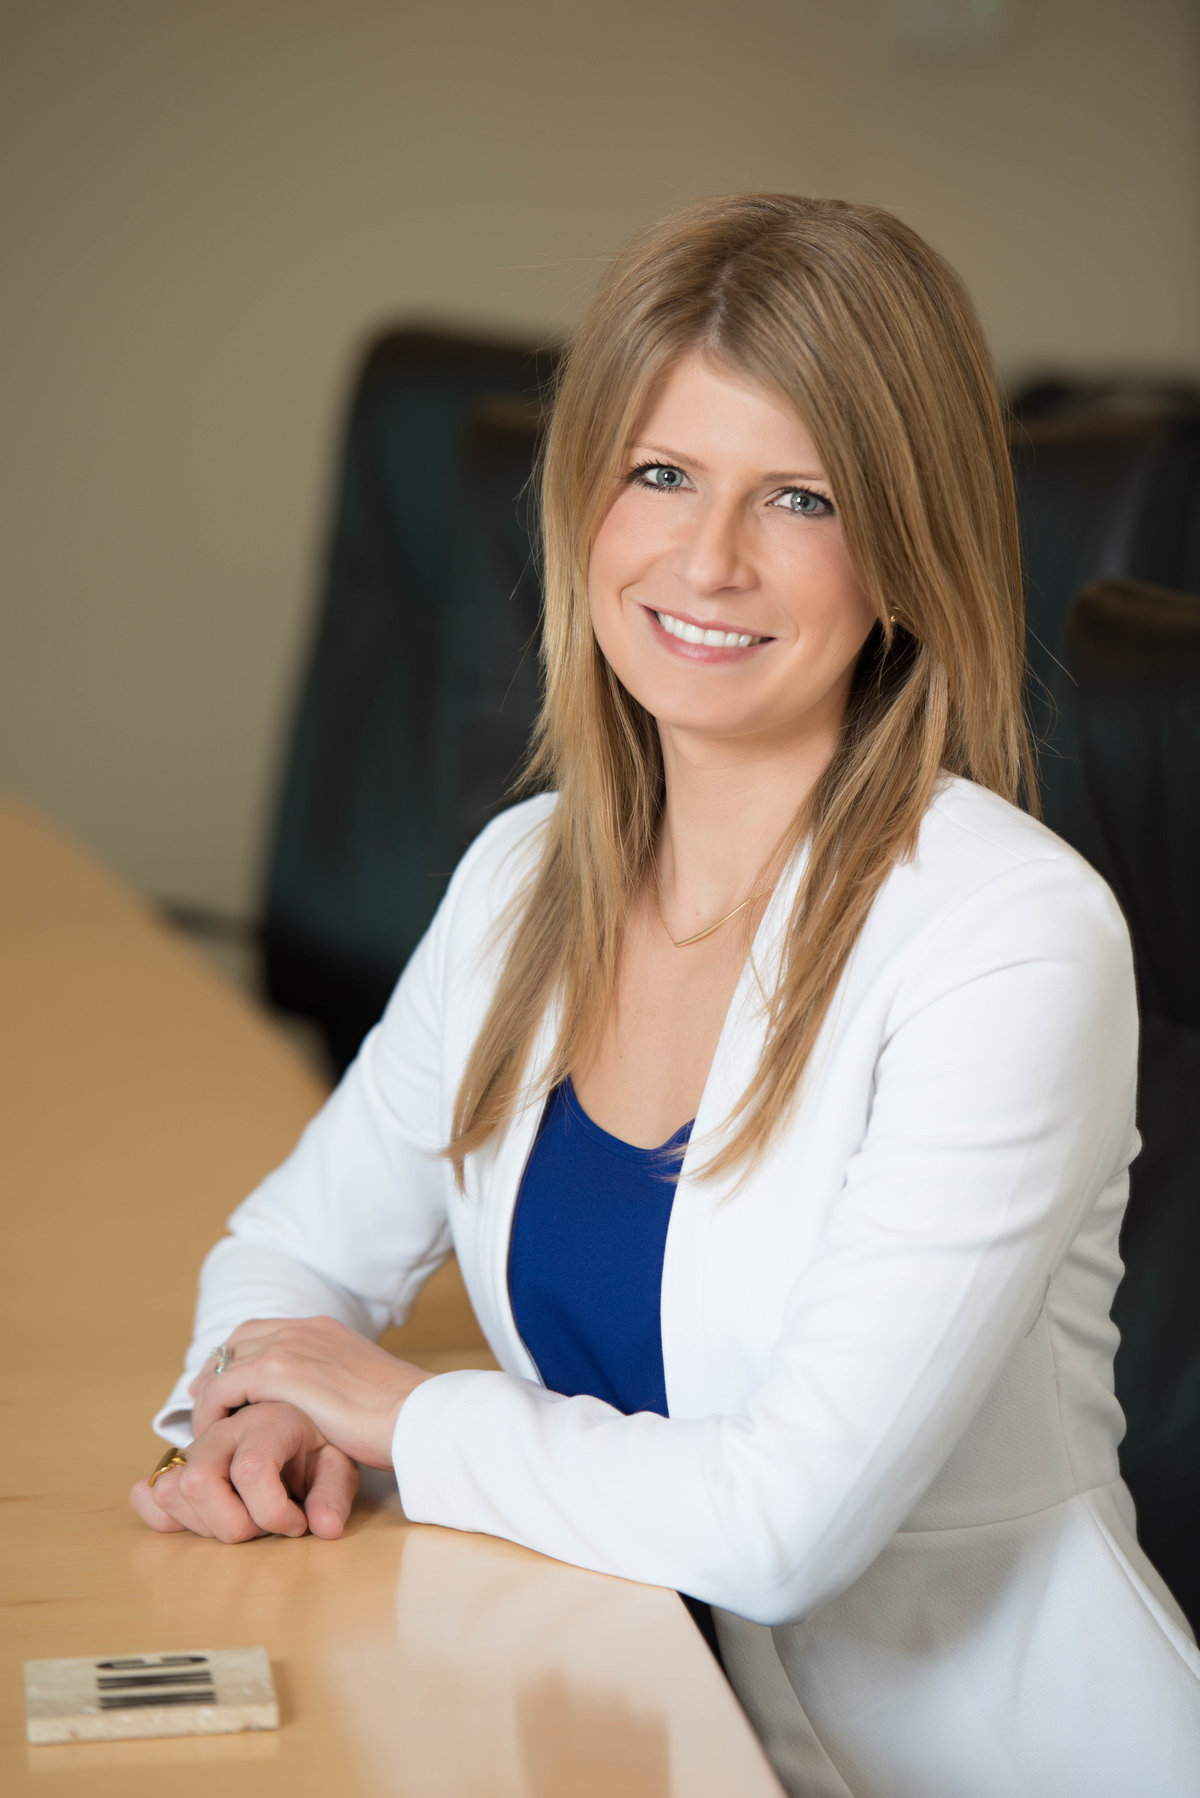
585,1258
616,1145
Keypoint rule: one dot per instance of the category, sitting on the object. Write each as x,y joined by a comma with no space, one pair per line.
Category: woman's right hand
266,1470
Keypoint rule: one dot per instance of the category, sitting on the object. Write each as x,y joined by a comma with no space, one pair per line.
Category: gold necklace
685,942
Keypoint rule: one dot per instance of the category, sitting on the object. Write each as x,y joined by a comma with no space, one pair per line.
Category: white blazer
890,1459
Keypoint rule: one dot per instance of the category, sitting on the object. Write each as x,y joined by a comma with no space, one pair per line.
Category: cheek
858,611
601,596
615,554
619,556
848,614
606,618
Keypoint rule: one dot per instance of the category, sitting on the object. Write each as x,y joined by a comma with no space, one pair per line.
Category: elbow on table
779,1550
784,1598
788,1594
767,1579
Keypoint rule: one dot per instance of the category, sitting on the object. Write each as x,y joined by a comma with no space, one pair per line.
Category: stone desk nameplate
195,1692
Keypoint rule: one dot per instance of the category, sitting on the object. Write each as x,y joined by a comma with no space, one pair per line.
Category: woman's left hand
350,1388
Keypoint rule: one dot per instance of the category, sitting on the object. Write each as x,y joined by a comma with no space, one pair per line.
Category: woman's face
722,592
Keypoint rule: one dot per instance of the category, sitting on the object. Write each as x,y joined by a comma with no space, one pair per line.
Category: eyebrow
670,455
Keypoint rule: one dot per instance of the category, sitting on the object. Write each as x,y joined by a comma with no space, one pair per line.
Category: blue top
586,1257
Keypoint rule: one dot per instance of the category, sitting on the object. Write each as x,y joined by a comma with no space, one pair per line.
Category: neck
728,810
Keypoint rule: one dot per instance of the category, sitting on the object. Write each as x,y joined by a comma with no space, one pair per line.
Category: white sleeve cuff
174,1422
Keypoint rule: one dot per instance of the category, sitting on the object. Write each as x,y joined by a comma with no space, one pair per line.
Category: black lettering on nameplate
135,1682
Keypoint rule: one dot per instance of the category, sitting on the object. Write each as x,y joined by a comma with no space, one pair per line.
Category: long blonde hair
848,315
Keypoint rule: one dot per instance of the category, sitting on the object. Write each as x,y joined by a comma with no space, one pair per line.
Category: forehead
715,414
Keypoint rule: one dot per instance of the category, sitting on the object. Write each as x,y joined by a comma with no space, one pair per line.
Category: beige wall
207,203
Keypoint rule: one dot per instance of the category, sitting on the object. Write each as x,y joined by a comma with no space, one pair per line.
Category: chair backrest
422,680
1130,696
1102,495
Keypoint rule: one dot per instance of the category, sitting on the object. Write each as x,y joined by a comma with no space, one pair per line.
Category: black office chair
1056,395
1104,493
1130,699
422,681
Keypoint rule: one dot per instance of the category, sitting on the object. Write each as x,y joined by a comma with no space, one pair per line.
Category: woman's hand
244,1476
351,1389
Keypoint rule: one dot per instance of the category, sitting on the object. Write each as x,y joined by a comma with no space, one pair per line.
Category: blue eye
805,503
658,475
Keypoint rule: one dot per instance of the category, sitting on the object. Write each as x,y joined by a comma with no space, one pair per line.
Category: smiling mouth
711,639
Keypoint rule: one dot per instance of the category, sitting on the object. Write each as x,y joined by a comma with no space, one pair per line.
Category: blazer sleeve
1001,1109
354,1221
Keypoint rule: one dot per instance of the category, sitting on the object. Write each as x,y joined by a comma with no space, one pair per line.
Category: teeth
691,633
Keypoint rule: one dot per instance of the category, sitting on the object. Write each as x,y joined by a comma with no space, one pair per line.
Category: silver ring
223,1356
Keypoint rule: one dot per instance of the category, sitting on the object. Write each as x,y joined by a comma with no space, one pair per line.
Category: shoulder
497,866
513,835
988,892
971,837
987,880
974,828
456,962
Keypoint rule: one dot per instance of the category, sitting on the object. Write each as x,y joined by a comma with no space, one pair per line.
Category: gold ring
171,1457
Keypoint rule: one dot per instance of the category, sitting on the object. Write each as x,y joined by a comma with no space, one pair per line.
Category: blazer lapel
686,1299
495,1200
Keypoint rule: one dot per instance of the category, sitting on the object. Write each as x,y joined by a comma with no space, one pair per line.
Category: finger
222,1353
207,1408
142,1498
272,1359
252,1330
256,1474
201,1494
335,1480
218,1395
267,1368
171,1505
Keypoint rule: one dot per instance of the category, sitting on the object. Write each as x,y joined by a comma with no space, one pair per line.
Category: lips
714,635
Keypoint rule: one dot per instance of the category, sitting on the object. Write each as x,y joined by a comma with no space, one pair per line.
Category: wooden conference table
140,1098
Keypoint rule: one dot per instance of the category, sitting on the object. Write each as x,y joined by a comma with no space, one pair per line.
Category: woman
774,1082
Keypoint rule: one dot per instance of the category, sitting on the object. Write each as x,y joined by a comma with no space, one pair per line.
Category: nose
713,555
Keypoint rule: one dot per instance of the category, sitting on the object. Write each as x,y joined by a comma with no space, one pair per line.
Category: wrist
418,1377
